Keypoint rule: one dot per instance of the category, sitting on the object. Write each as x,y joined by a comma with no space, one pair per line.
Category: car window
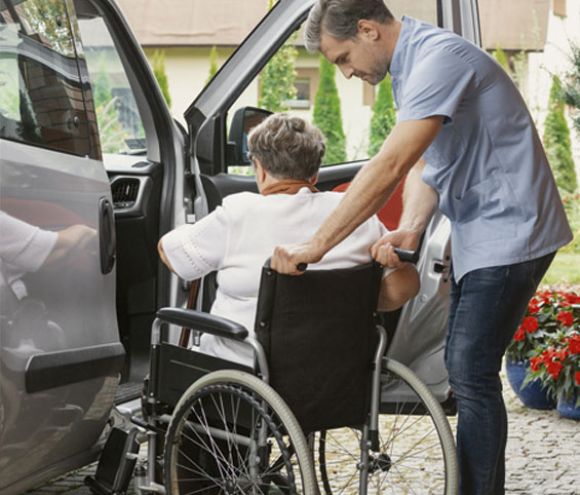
41,99
300,83
121,129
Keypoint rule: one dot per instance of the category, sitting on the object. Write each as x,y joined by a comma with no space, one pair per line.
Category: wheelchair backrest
318,332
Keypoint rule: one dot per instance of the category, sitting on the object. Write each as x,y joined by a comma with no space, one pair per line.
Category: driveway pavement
543,455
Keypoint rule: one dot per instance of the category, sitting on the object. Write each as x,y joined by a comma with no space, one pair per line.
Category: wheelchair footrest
116,463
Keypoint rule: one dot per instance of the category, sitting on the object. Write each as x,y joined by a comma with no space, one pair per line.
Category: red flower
566,318
520,335
577,377
530,324
572,298
574,344
533,306
535,363
554,368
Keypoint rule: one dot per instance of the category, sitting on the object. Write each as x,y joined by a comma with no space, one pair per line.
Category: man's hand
383,251
287,258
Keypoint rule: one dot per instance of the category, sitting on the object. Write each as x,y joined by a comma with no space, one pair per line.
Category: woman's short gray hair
339,18
287,147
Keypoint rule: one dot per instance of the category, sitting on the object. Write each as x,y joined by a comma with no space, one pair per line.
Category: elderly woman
237,238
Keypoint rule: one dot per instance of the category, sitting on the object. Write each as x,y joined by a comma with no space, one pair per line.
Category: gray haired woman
240,235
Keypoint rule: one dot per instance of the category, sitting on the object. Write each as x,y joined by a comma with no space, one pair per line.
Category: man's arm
419,203
368,192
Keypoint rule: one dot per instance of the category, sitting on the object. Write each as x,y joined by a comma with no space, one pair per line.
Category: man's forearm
419,201
373,185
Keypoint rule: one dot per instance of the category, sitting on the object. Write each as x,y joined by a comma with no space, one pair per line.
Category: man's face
361,57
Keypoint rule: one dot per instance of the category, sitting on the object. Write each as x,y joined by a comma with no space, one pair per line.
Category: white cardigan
237,238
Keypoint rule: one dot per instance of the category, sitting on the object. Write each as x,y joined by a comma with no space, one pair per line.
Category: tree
213,63
557,140
277,78
572,86
327,115
384,116
158,63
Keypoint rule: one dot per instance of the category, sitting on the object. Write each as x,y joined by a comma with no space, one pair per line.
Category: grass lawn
565,269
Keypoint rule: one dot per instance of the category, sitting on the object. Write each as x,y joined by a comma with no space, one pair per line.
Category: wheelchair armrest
204,322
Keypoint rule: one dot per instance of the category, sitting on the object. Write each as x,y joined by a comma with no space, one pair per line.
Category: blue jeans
487,306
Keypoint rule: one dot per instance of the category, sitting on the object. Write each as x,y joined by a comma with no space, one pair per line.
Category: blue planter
567,407
533,395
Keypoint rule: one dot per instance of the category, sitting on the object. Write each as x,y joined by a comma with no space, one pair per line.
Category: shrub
384,116
327,114
158,64
213,63
557,140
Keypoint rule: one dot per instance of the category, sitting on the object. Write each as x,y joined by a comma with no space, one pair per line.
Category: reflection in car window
120,126
41,100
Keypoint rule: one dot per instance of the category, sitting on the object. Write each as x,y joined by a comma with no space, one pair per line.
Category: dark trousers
487,306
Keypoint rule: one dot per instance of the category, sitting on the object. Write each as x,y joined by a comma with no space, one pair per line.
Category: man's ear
314,179
368,30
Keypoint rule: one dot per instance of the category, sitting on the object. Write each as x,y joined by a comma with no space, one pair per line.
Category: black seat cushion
318,331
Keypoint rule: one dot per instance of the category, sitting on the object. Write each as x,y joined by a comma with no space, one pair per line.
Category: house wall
187,71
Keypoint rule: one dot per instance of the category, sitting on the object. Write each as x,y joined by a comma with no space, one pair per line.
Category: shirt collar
401,47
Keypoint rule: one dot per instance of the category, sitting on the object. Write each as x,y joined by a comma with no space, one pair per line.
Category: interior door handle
107,237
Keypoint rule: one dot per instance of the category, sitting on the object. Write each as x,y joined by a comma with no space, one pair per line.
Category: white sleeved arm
24,246
196,250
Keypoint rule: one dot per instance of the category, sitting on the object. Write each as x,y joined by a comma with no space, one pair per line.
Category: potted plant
557,366
542,319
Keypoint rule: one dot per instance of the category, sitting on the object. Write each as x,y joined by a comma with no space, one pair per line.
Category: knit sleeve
194,250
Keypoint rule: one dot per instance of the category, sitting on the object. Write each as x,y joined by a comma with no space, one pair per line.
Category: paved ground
543,456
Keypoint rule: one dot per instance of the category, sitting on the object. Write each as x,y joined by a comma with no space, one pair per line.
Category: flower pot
533,395
567,407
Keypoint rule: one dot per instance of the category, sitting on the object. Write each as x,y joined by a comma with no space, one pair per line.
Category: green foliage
384,116
213,63
557,140
572,86
502,59
277,78
158,64
111,131
327,114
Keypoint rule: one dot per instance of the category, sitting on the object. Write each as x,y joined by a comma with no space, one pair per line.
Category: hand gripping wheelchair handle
204,322
407,255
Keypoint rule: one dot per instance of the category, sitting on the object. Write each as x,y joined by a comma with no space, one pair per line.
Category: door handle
107,237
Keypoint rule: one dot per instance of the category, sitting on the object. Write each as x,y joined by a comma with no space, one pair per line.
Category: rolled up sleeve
198,249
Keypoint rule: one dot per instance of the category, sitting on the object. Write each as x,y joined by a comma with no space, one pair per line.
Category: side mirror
245,119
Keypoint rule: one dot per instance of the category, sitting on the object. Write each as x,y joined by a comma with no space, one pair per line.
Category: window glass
313,92
41,99
120,125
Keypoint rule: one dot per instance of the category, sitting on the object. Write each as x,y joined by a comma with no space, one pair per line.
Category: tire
239,409
417,448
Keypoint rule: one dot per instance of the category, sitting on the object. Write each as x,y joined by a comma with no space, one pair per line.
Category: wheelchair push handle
408,255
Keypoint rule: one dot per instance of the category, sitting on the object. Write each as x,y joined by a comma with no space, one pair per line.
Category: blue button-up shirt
487,163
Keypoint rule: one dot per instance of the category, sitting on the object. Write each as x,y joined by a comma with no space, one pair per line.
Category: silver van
93,170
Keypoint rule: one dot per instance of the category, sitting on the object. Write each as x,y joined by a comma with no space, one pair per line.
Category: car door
418,332
59,347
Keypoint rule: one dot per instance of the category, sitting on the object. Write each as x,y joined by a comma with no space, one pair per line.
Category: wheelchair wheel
416,446
231,433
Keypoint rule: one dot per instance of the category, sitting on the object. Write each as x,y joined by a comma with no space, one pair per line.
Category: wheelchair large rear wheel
416,445
231,433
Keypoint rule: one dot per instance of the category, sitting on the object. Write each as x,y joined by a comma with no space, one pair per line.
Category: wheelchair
321,410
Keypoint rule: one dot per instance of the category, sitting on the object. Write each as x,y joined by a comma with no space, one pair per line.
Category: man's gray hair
287,147
339,18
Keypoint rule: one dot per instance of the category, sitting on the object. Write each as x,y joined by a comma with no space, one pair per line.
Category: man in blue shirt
467,143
